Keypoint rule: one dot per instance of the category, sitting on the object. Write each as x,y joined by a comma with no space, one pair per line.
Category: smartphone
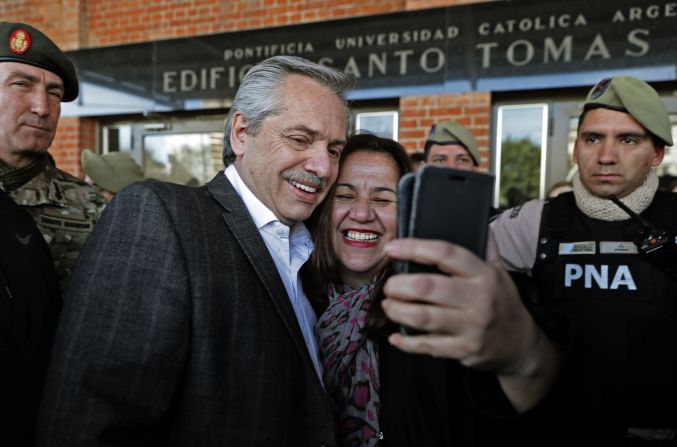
446,204
405,190
451,205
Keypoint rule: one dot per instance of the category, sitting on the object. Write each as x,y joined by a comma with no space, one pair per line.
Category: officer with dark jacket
29,308
609,275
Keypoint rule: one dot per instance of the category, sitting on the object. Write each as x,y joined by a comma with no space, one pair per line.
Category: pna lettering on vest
594,276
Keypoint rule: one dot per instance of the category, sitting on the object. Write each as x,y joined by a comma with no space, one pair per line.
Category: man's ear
659,154
238,133
574,156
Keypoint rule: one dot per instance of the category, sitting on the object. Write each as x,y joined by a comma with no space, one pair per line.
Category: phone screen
445,204
452,205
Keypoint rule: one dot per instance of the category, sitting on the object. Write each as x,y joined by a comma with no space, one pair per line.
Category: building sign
487,46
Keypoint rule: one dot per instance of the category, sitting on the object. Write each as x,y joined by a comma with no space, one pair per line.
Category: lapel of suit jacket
247,235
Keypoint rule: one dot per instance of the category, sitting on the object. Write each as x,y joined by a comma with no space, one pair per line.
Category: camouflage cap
26,45
451,132
635,97
112,171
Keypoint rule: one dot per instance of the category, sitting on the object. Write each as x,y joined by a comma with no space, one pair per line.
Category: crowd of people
263,308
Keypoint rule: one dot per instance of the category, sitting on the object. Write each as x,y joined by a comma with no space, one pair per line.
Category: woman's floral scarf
350,363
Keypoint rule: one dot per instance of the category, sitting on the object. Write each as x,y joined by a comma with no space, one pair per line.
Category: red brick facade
73,135
76,24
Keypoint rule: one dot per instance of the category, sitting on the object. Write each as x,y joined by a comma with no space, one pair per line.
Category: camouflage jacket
65,210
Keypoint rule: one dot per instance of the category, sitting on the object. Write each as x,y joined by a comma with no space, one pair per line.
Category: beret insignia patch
432,131
600,88
19,41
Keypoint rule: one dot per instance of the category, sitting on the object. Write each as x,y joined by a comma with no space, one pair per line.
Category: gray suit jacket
177,330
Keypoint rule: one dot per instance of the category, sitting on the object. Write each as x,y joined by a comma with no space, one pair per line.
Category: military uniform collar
13,178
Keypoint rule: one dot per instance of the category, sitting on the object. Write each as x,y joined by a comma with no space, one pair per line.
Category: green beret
112,171
450,132
635,97
26,45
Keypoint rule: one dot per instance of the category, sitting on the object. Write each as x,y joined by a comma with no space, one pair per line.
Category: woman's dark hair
323,269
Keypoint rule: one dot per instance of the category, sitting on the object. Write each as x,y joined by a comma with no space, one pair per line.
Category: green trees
520,171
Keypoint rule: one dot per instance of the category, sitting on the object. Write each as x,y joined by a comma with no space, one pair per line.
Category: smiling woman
364,214
347,270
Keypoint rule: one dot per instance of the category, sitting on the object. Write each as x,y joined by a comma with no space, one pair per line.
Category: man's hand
473,314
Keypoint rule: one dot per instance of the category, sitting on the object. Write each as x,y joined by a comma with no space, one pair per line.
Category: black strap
556,218
557,214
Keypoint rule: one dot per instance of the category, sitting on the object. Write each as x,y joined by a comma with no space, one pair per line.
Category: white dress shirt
290,248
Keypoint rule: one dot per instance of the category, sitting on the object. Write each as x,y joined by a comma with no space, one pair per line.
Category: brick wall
112,23
133,21
418,113
60,19
72,136
76,24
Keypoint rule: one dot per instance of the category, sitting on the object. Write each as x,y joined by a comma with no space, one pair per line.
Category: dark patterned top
350,360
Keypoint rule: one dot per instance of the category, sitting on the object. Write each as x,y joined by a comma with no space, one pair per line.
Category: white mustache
306,178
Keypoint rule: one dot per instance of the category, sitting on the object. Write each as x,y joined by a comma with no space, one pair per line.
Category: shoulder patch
65,223
516,210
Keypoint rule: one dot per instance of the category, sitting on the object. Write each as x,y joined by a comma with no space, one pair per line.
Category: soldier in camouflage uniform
35,77
65,209
110,173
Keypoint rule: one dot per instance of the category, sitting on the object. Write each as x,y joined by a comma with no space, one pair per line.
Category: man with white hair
187,323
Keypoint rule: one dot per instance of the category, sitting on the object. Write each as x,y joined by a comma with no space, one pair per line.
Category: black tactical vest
623,308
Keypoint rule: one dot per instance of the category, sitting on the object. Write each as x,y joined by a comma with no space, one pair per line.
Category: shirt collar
260,213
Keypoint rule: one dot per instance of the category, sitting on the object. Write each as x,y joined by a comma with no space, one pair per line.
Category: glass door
520,156
178,150
534,145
